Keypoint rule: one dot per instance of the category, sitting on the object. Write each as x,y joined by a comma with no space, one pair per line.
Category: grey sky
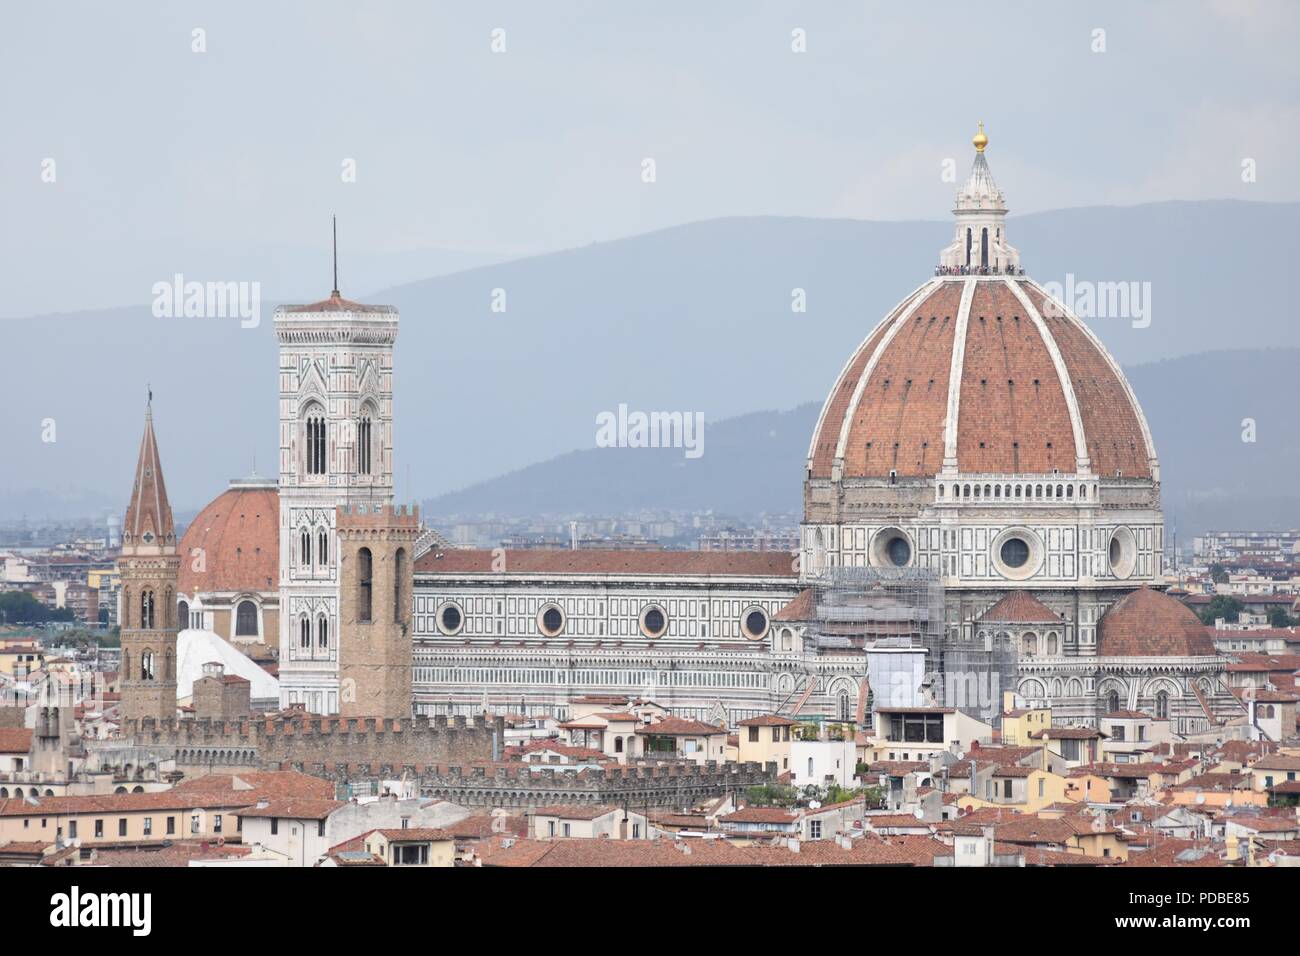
169,160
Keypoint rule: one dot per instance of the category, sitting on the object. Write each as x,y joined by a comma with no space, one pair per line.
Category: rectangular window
753,735
121,827
171,825
99,829
814,829
216,823
320,828
72,829
275,826
148,826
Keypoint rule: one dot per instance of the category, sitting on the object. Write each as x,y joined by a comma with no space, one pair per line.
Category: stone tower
149,566
376,549
336,447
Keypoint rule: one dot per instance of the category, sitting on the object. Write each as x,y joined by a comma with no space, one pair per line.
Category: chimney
792,844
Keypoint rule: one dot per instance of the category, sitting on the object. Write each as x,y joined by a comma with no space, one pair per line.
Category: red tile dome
981,374
239,534
1146,623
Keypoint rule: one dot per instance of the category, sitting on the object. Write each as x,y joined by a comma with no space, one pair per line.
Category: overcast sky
167,159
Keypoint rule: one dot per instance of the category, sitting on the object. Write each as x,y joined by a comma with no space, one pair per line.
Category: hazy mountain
754,463
696,318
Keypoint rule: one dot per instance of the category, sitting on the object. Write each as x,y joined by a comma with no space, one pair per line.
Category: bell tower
149,566
336,448
376,557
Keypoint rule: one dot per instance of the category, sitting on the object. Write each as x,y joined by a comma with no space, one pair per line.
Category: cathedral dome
237,537
980,374
981,371
1146,623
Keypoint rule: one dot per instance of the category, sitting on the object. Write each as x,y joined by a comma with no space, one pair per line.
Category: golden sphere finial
980,140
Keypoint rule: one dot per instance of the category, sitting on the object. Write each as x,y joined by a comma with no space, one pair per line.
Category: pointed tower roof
149,515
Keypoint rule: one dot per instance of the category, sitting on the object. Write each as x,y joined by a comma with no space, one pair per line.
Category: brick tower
376,549
149,566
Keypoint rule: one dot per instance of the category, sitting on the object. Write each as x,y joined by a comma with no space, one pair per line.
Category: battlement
361,516
327,741
675,785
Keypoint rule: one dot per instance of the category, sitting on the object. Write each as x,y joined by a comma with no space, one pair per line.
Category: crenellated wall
207,745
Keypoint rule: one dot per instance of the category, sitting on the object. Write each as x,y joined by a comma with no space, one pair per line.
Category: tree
1278,617
20,607
1221,606
1217,573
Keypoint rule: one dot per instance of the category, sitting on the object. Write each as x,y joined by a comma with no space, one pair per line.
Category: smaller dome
238,535
1020,607
1147,623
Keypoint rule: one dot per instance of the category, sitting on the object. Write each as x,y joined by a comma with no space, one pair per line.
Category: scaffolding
858,607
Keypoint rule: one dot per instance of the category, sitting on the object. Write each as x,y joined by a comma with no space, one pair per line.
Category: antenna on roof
335,222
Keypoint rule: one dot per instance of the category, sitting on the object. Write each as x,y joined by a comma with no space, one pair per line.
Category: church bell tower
149,565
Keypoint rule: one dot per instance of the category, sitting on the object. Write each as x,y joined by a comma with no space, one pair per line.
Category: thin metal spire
335,221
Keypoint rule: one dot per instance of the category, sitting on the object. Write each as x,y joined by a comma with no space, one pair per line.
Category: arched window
365,572
1029,644
1112,702
246,619
323,631
304,632
846,706
304,548
984,247
1162,705
183,614
363,444
618,745
146,665
399,586
146,610
314,445
323,547
1053,645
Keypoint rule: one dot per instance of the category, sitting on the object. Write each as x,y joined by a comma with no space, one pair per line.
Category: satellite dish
1200,798
1229,803
918,813
814,804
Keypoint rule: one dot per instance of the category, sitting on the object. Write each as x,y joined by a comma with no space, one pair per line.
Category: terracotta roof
1276,762
1068,733
1020,607
891,401
412,834
765,564
261,784
122,803
239,534
174,855
680,727
1146,623
574,811
865,851
15,740
767,720
799,609
336,303
760,815
295,808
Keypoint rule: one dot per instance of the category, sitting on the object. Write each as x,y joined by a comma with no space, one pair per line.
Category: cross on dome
979,246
